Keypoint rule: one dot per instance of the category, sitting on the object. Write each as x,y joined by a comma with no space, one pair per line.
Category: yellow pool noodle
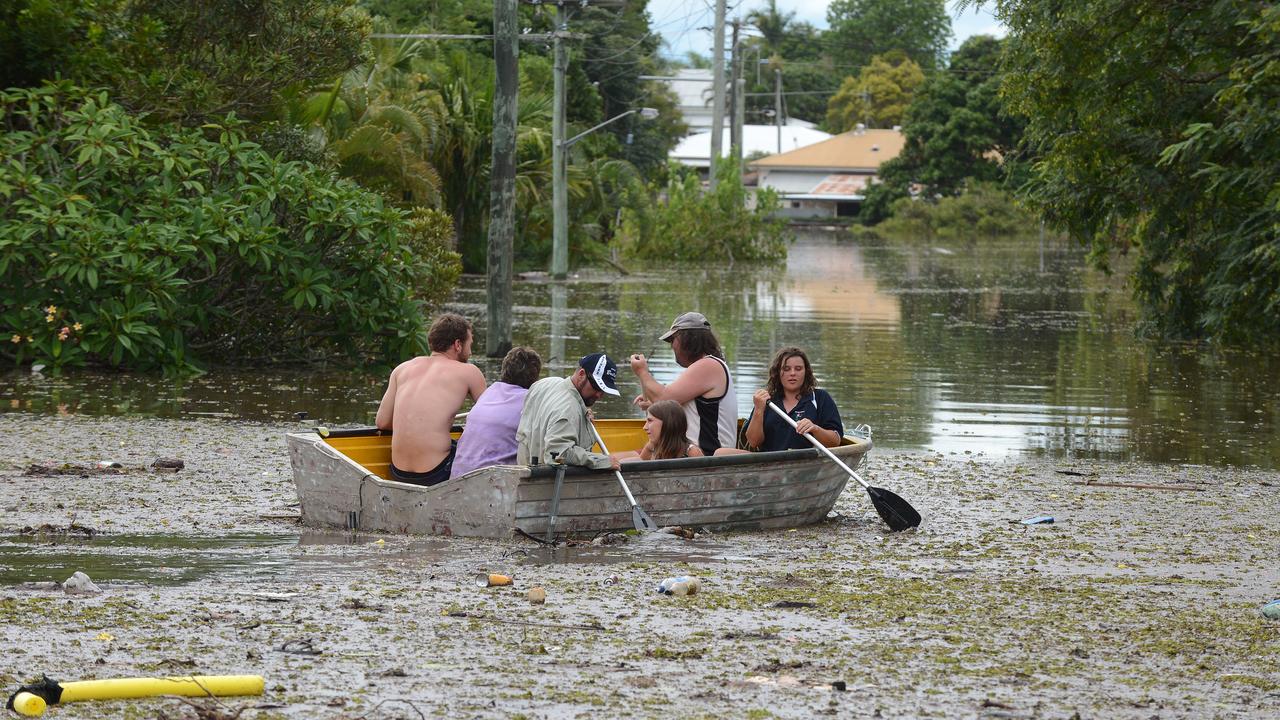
31,705
126,688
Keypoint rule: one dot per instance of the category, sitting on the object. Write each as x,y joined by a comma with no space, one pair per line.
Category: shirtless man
422,397
704,389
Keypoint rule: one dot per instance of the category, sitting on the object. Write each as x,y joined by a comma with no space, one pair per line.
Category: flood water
999,348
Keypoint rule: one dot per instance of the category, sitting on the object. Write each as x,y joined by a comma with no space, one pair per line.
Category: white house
695,150
828,178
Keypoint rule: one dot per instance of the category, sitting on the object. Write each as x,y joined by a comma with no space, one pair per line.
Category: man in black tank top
704,388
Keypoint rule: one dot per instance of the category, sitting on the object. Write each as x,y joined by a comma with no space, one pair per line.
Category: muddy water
1003,348
1137,602
1134,603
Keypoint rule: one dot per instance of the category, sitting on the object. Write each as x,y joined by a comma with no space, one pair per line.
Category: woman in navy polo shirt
793,388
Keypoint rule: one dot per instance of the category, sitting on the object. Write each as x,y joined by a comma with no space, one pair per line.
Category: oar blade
641,520
896,512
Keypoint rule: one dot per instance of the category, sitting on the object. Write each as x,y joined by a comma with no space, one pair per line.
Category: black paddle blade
896,512
641,519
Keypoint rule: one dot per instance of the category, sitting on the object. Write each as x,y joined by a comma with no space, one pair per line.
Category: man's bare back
422,397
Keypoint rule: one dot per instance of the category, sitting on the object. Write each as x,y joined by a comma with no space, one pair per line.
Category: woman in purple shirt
490,434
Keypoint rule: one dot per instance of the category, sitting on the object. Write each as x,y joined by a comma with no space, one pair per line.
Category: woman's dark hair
672,442
775,371
699,342
521,367
447,328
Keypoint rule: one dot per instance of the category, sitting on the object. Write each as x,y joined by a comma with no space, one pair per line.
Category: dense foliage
983,210
878,97
957,133
862,29
1157,127
693,224
188,62
165,248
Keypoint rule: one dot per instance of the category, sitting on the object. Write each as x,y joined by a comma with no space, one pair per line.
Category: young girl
665,424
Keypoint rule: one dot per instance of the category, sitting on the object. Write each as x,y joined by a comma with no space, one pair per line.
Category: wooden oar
639,518
896,512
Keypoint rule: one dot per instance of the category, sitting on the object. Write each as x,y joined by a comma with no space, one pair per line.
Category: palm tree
772,24
380,128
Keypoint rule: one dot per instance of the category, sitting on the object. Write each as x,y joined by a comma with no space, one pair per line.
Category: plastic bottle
680,585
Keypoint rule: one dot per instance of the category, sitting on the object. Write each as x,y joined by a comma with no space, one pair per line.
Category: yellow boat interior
372,450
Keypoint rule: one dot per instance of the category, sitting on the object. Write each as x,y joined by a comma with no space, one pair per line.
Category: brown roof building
829,178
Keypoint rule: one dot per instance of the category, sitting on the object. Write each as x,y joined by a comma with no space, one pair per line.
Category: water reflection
1004,347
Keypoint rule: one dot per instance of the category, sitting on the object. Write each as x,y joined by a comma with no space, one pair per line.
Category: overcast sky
683,23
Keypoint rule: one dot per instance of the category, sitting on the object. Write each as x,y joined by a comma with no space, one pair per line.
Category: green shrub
694,224
983,210
171,247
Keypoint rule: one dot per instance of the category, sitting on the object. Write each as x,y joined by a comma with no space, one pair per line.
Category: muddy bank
1134,603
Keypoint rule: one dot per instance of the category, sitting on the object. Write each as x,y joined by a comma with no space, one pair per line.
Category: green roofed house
828,179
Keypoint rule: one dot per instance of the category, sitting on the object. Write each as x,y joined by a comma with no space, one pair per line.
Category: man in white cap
554,426
704,389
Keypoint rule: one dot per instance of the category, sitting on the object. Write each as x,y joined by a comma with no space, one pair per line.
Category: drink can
492,579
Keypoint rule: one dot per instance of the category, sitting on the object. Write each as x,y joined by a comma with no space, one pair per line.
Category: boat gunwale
860,447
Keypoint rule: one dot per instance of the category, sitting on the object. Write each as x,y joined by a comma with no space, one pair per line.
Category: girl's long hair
775,372
672,442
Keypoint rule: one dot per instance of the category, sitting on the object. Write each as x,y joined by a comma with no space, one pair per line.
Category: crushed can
485,579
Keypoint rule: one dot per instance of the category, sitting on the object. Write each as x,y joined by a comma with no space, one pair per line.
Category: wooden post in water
502,178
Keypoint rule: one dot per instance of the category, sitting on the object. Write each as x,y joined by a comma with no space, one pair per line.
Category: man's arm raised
702,377
649,387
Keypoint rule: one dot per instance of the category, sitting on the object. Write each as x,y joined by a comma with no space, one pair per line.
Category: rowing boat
343,482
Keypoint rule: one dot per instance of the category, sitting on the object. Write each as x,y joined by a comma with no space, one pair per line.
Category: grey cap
687,321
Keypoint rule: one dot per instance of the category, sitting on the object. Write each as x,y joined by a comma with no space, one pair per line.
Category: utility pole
559,151
717,75
559,166
502,178
735,96
502,197
777,103
739,98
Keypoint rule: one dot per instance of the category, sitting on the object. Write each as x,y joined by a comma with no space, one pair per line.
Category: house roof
695,150
853,150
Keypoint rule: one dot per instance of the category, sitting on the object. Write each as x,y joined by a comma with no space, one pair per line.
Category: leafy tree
378,125
878,97
773,24
171,247
42,39
464,84
862,29
956,127
1157,132
695,225
444,16
618,50
806,86
983,210
190,62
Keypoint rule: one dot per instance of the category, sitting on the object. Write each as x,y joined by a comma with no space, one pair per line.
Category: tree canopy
956,128
878,97
1156,130
862,29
